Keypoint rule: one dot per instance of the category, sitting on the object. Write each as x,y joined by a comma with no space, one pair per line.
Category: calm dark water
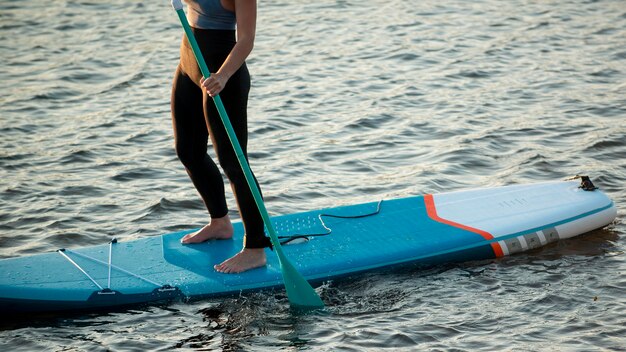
351,102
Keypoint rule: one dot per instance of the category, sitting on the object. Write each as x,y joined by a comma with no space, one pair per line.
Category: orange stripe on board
432,213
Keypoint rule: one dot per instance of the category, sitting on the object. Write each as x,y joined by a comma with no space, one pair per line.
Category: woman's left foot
248,258
217,229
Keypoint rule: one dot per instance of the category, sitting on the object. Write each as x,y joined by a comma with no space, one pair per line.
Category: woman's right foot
248,258
217,229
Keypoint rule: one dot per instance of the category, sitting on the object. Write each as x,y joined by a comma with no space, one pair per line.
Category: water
351,102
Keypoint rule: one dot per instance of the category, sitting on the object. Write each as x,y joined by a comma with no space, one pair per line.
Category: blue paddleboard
322,244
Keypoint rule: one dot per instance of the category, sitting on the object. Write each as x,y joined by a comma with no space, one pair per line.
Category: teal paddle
300,293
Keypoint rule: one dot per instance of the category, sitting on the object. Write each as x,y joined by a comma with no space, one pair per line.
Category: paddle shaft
293,280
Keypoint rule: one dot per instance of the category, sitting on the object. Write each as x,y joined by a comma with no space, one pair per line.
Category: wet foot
218,229
248,258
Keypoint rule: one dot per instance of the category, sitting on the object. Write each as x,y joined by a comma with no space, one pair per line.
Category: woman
195,118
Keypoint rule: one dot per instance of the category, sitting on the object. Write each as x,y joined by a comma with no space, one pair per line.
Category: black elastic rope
328,230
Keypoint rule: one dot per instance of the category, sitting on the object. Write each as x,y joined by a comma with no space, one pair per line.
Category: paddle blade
300,293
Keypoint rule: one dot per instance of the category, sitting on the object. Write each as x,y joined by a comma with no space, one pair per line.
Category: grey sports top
209,14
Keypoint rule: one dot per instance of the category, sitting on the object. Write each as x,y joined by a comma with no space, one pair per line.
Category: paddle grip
177,5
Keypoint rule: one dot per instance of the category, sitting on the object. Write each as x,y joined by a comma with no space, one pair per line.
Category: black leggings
195,118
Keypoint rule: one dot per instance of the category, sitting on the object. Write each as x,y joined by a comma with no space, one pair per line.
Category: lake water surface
352,101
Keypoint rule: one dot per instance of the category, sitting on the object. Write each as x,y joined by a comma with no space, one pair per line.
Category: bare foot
248,258
218,229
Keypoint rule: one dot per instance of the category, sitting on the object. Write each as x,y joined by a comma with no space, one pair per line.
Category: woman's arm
245,11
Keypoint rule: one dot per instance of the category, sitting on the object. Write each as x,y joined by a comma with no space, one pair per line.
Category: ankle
254,250
223,221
